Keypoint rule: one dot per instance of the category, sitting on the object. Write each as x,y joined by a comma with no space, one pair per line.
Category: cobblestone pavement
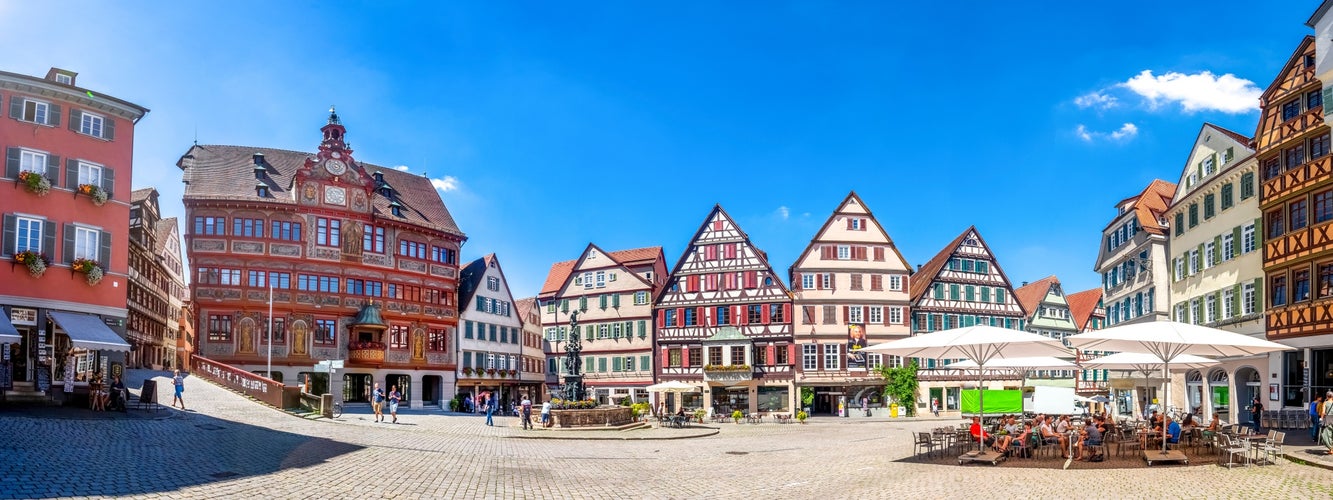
227,446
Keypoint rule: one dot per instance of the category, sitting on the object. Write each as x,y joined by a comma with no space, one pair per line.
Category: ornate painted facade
850,287
362,259
724,324
612,294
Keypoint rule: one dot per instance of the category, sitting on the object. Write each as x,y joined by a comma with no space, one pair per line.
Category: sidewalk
133,381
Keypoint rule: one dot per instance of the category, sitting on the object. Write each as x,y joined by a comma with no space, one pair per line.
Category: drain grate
224,474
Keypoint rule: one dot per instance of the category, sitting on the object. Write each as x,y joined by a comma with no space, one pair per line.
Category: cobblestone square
228,447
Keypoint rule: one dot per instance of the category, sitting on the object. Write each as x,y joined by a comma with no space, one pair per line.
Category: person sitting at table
1090,436
118,394
1172,434
976,432
1008,432
1188,421
1049,436
1213,426
1062,425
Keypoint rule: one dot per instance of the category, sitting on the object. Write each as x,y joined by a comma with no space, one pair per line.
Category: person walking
1315,406
1326,433
935,406
394,397
179,382
489,407
546,413
377,402
526,405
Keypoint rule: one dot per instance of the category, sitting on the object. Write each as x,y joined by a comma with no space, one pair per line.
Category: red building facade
362,261
68,154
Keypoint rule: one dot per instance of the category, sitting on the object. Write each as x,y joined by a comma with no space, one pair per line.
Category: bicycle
337,409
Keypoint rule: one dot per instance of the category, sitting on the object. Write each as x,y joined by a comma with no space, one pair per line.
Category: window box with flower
467,371
34,182
490,371
365,352
94,192
91,270
35,262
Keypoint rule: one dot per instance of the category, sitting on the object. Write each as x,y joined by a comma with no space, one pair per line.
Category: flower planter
35,262
35,183
364,355
94,192
91,270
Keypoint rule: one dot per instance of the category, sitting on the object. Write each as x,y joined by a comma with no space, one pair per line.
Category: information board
43,373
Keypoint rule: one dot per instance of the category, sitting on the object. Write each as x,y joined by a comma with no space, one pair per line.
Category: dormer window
386,190
65,79
260,173
261,190
379,177
396,208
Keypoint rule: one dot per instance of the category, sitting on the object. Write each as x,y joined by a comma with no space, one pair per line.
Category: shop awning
8,334
89,332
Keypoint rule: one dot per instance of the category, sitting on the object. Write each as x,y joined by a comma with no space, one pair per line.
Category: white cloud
1124,133
1099,99
1201,91
783,212
447,184
1127,131
401,168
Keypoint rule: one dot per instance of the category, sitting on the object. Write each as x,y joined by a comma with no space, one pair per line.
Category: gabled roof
762,255
1149,205
1082,304
852,196
921,279
1291,63
526,306
1238,137
469,280
163,231
139,195
1184,190
227,173
560,271
1030,296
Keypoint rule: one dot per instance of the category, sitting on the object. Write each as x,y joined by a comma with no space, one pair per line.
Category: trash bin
893,410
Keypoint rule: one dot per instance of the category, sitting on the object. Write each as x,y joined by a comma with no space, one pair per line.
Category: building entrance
356,387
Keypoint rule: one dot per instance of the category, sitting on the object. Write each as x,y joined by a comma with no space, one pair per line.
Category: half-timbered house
612,294
490,343
850,287
724,324
963,285
1296,199
1048,315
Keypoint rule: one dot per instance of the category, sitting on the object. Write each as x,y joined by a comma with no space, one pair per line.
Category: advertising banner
856,340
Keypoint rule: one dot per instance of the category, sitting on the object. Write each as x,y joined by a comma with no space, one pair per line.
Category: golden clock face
335,167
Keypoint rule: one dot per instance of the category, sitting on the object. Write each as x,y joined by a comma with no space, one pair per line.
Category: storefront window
692,400
774,398
951,399
728,400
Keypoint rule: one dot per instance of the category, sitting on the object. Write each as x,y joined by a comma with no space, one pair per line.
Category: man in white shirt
546,414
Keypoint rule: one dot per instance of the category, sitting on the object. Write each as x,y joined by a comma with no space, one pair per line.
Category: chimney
258,158
918,267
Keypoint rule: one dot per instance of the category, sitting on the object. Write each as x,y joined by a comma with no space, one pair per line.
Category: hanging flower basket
92,270
490,371
35,183
503,373
95,192
36,262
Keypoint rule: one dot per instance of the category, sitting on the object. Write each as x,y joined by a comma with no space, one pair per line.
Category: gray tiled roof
213,172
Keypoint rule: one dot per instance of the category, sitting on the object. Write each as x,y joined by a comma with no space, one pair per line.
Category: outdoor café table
1147,437
1256,443
783,418
754,418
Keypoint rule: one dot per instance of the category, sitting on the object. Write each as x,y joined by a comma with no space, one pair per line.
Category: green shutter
68,247
1216,166
1260,301
1198,170
1258,233
601,299
71,173
1235,242
643,329
601,365
1327,96
643,363
583,303
1235,300
1217,250
615,301
588,332
618,364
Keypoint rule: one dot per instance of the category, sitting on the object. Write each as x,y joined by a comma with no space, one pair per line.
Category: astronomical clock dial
335,167
335,195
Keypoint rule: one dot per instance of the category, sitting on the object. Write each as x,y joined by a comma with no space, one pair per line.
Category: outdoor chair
1230,448
1272,448
923,441
1127,439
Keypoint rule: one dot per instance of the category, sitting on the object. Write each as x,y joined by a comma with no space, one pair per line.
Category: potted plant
467,371
504,373
737,416
95,192
699,415
35,262
801,416
490,371
91,269
513,373
35,183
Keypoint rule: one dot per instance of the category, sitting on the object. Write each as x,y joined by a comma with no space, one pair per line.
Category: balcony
365,353
728,373
1295,179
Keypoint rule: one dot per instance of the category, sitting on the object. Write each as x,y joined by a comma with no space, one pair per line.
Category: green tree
900,386
807,397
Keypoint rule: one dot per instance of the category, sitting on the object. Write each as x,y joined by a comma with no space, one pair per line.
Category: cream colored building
1217,268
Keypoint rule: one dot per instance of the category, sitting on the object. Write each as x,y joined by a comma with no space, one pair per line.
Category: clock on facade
335,195
335,167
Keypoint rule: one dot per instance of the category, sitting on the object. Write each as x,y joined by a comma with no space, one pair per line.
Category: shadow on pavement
66,452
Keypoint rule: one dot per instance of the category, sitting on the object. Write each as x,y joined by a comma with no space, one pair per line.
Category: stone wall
597,417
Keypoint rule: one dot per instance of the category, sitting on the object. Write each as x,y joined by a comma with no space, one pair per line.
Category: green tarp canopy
997,402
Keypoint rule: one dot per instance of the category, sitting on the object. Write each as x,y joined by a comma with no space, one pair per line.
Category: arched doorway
1194,394
1247,388
1219,391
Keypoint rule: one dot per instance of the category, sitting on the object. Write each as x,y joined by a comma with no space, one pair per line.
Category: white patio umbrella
1146,363
1167,340
671,386
1019,365
983,344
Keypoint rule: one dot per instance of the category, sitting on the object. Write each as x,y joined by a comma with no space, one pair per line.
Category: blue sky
551,125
